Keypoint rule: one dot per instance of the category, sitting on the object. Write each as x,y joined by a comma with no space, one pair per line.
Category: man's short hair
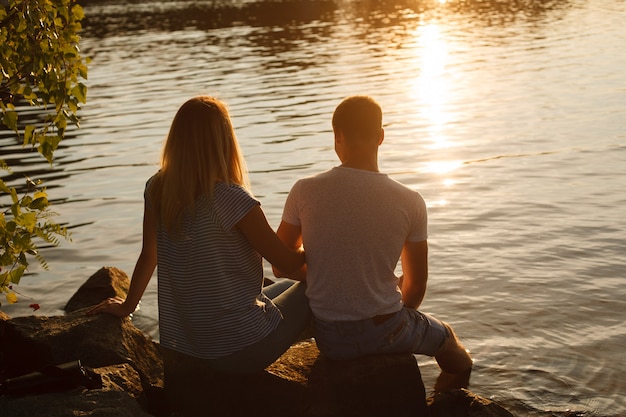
358,117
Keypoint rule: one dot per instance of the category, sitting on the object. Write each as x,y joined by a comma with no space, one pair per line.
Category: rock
101,341
300,384
382,385
303,384
32,342
105,283
464,403
117,398
93,404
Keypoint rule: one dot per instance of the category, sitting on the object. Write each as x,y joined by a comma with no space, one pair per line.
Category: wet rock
463,402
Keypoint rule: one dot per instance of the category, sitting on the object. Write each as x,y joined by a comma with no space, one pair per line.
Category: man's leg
453,357
455,363
426,335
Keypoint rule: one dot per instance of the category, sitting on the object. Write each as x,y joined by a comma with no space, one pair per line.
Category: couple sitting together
208,235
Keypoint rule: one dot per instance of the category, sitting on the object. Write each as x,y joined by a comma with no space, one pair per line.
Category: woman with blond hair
208,235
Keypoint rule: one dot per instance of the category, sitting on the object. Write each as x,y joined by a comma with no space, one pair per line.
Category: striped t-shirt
210,280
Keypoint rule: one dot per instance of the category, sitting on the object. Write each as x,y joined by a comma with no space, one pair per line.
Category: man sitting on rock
355,223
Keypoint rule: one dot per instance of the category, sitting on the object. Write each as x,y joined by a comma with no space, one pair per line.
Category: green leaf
27,221
80,92
47,145
5,281
28,134
82,70
40,203
77,12
41,61
16,274
10,120
25,201
3,187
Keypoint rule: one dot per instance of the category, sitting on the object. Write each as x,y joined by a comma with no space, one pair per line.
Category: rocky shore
122,373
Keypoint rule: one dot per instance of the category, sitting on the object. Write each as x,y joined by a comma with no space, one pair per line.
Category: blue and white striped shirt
210,280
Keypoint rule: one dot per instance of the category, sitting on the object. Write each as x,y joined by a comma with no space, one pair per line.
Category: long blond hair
201,149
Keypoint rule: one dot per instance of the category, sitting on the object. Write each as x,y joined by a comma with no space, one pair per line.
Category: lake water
508,116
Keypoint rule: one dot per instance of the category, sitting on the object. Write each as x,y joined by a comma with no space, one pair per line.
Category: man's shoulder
318,176
401,186
405,193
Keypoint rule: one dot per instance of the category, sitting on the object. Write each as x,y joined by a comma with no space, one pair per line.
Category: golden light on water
431,88
433,92
442,167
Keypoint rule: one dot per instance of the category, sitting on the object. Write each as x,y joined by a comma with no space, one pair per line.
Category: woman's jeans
188,380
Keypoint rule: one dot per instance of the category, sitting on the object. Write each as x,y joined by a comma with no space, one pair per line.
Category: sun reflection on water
432,91
431,87
442,167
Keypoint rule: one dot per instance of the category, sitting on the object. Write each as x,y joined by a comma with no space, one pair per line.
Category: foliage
40,64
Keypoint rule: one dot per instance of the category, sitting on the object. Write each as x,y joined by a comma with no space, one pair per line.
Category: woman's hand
115,306
256,229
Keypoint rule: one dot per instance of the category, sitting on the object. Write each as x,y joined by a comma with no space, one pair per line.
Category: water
507,116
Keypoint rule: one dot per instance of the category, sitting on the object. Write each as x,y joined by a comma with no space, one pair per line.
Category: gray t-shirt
210,280
354,225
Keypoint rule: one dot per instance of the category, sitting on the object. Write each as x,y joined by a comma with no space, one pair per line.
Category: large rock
385,385
118,397
107,282
300,384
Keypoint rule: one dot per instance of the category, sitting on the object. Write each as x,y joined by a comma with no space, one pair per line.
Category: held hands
115,306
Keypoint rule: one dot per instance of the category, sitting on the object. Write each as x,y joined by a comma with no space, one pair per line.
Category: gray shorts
408,331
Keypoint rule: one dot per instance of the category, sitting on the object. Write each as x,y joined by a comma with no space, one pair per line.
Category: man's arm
291,235
415,269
